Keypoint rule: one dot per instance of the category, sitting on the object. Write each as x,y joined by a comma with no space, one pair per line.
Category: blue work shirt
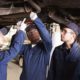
6,56
36,59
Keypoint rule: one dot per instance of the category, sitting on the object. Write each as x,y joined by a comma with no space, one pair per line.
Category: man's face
33,35
67,35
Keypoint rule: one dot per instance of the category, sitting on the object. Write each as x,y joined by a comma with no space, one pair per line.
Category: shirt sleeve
45,36
6,56
46,39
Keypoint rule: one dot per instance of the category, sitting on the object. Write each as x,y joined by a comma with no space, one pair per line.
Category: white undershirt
33,45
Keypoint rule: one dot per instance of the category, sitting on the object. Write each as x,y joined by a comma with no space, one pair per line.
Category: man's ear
74,35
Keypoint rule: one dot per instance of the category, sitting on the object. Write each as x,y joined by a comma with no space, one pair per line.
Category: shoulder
60,47
59,50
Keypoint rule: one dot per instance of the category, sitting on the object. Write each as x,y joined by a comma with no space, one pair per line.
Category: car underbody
64,10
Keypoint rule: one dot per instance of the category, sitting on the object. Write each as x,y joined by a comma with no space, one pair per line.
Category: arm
76,51
6,56
45,36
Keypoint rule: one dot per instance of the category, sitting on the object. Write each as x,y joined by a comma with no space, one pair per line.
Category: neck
69,44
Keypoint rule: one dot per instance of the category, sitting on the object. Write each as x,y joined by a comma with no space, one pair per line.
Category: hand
23,25
33,16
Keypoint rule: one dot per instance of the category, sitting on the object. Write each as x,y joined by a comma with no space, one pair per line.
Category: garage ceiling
13,10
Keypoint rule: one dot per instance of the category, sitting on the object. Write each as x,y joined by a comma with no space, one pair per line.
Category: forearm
8,55
45,36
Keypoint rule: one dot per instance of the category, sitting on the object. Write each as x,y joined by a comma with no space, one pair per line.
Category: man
36,55
65,62
6,56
